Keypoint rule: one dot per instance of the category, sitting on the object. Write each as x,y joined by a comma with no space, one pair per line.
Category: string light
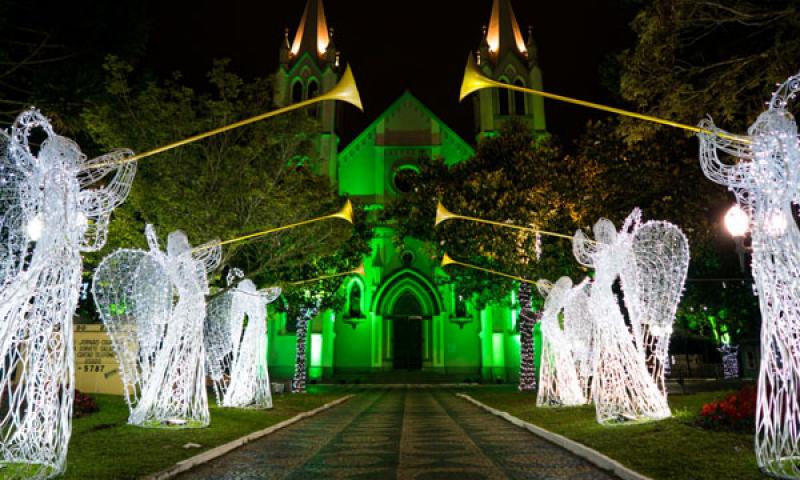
46,202
236,345
558,380
765,184
527,322
153,306
622,387
307,313
579,330
730,361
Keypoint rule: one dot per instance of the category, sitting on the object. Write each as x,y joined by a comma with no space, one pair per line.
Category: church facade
404,314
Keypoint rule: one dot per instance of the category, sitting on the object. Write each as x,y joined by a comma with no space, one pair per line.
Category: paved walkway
404,434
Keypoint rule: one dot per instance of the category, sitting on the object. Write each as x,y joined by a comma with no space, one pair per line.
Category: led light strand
159,341
765,185
46,195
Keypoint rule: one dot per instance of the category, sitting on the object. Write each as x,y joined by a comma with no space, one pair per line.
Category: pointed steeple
312,34
504,34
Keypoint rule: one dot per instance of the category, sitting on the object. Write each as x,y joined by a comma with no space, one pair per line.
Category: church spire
312,34
504,33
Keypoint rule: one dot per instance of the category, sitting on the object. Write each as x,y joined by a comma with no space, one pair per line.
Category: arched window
355,301
313,91
461,306
297,92
519,99
502,95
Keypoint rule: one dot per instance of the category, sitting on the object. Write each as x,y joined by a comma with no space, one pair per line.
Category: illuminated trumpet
475,80
344,91
448,260
443,214
357,271
346,214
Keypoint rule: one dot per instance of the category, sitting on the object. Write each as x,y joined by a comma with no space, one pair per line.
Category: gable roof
447,134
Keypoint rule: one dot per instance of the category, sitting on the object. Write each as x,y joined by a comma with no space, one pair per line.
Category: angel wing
653,281
219,338
13,241
133,294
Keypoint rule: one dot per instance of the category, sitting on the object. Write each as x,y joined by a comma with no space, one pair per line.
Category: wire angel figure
622,387
153,305
558,380
236,345
653,282
579,331
50,215
765,178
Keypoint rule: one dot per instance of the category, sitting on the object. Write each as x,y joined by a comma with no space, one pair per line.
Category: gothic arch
296,91
503,98
404,282
357,284
519,99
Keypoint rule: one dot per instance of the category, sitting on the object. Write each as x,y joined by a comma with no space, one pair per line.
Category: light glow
503,18
35,228
737,221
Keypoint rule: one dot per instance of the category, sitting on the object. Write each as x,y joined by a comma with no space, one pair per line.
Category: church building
401,316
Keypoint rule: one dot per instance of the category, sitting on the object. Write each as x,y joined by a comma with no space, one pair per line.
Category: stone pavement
404,434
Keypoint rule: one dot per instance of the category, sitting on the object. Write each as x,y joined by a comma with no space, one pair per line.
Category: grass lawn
104,446
672,449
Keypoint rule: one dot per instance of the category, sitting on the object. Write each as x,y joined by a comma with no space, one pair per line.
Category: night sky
413,45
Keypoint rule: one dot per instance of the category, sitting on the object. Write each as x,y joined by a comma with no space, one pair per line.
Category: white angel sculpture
622,387
236,345
765,178
653,281
558,380
153,306
579,330
50,215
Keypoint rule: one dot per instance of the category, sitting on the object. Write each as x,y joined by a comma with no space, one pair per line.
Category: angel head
555,294
49,187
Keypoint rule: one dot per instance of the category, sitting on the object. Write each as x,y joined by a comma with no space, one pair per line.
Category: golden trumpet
475,80
448,260
344,91
357,271
346,213
443,214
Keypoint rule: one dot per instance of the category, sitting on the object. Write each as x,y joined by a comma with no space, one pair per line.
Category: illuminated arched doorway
408,303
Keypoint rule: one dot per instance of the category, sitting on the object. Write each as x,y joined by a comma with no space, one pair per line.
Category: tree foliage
52,53
513,178
247,180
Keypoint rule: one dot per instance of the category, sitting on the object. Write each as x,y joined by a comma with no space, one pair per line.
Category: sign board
96,367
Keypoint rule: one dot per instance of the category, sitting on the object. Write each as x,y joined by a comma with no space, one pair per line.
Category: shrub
83,405
735,412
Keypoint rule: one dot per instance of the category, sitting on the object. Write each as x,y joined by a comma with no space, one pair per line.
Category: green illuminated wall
457,341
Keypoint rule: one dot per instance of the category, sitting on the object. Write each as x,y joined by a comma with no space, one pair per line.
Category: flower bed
736,412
